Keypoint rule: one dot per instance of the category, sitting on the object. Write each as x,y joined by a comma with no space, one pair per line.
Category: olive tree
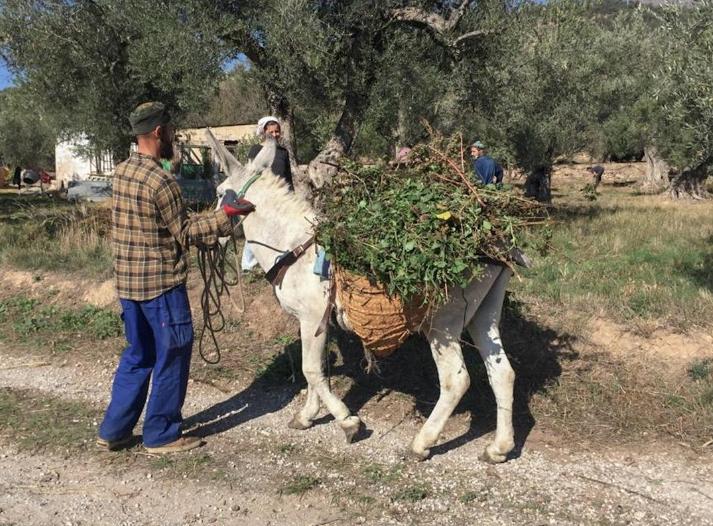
27,135
90,62
684,120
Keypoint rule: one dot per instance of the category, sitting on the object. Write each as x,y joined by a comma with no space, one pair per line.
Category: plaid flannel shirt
151,230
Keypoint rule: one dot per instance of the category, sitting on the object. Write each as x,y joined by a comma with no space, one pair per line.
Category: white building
74,163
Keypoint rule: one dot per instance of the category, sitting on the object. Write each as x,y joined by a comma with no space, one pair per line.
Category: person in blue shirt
485,169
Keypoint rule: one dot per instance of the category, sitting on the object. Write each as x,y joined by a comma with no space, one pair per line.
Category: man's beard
166,149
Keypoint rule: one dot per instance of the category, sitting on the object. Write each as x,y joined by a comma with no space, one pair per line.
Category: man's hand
234,206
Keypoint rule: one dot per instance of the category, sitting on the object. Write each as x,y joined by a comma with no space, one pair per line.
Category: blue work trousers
159,333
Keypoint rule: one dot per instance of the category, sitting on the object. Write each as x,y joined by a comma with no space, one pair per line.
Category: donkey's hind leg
483,328
453,378
313,354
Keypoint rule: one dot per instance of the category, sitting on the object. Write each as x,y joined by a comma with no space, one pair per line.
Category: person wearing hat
486,170
150,236
268,128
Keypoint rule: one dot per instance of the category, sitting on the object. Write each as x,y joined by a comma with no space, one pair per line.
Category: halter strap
248,184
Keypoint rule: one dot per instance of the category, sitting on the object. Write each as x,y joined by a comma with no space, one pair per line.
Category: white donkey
281,221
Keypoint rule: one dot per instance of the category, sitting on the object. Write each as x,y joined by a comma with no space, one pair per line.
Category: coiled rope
214,267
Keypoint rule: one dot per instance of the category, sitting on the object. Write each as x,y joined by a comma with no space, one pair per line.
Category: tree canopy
536,80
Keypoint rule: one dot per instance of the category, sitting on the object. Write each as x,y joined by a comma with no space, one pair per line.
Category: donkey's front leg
454,379
303,419
313,354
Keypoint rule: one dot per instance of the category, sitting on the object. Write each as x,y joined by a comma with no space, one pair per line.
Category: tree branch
437,25
471,34
433,21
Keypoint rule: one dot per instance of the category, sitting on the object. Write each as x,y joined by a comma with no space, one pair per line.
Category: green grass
602,397
701,369
412,493
630,260
300,485
36,422
24,318
45,234
378,473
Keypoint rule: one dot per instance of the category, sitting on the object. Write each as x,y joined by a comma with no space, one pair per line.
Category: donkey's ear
230,164
263,160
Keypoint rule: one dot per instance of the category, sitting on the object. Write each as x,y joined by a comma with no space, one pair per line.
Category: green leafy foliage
27,136
89,63
685,90
421,228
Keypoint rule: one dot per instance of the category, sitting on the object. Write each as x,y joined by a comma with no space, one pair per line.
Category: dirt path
252,462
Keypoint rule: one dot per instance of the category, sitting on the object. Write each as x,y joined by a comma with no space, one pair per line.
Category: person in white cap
268,128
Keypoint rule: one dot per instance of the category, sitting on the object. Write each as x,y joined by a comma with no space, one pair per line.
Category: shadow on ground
534,351
273,389
700,272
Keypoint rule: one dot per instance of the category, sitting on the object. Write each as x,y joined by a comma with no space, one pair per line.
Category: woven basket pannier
383,323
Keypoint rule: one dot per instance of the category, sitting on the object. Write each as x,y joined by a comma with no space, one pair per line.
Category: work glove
233,205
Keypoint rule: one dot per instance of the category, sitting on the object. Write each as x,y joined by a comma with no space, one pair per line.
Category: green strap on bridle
247,185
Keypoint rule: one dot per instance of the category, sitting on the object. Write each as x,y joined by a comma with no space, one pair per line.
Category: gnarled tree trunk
657,171
690,183
539,184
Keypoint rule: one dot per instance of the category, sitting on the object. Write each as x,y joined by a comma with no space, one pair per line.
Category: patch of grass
413,493
190,465
600,397
366,500
284,340
701,369
286,448
32,319
300,485
36,422
707,396
278,369
46,234
634,260
470,496
99,323
380,473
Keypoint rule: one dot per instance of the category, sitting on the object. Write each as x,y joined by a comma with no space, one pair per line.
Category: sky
5,77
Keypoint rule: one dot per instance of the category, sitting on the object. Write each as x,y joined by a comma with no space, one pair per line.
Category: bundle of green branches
422,226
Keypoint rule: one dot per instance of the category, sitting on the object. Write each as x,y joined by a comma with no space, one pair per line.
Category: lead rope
213,266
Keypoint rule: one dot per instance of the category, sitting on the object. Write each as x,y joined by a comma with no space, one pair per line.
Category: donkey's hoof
296,423
417,456
351,426
492,457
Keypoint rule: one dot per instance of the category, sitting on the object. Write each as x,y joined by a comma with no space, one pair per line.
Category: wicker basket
382,323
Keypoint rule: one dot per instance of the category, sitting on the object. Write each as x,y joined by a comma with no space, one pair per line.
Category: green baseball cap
147,116
478,144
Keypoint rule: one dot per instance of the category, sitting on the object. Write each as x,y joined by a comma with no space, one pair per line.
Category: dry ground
255,471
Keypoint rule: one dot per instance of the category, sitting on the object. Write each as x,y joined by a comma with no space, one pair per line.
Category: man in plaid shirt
151,233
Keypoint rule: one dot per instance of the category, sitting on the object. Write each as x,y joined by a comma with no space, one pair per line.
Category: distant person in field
268,128
150,236
485,169
597,172
17,177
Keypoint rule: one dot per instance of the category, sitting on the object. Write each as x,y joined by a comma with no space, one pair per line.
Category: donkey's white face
237,174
